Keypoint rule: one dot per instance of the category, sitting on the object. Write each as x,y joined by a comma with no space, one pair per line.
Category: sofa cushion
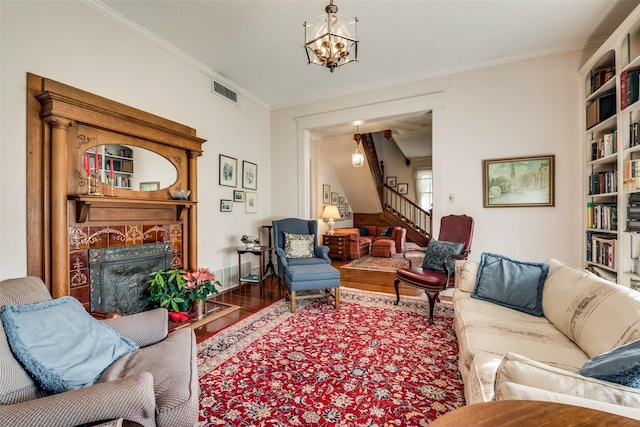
620,365
519,369
466,275
364,231
298,245
60,344
386,232
436,253
596,314
510,283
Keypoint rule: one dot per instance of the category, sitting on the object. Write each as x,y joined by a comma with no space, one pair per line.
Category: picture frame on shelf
249,175
334,199
391,181
403,188
326,194
341,202
251,202
150,186
226,205
238,196
228,171
519,182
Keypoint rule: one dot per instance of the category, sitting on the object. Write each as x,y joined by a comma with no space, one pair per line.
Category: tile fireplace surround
83,239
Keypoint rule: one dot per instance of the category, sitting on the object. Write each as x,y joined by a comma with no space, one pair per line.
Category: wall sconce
357,158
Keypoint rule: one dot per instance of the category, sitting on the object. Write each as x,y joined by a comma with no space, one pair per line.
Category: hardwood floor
250,300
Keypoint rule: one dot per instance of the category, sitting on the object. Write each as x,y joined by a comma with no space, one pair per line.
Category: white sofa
507,354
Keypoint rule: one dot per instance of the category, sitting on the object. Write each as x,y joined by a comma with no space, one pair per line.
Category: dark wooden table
260,252
530,413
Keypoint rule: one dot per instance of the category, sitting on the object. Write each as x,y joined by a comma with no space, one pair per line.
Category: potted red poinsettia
198,285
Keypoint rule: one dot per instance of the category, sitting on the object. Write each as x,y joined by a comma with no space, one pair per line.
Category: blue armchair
297,226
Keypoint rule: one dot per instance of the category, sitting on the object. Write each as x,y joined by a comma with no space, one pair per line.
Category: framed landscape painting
228,171
519,182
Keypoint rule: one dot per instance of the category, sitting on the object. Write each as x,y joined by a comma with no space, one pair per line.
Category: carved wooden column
59,226
193,211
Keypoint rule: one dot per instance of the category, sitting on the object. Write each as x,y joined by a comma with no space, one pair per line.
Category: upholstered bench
383,248
311,277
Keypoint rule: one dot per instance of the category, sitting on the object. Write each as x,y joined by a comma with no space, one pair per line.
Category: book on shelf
629,87
604,146
250,278
603,182
603,216
602,249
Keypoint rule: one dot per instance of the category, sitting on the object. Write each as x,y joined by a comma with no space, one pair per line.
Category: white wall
73,44
526,108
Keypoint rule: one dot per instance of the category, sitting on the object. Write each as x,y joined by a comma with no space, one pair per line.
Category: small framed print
238,196
226,205
391,181
150,186
249,175
228,171
341,202
251,202
326,194
334,199
403,188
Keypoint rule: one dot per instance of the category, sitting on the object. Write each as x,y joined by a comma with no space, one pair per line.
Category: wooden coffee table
530,413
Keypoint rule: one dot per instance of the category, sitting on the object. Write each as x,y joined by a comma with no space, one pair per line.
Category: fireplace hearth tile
78,238
117,236
134,235
78,278
98,237
78,260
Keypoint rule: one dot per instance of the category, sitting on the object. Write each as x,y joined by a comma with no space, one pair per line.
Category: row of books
629,87
603,216
633,212
604,146
600,77
603,182
601,249
634,134
631,175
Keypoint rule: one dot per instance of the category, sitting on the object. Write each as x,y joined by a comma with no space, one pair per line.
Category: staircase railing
408,211
369,149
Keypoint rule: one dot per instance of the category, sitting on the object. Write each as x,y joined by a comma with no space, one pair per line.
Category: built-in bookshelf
112,156
611,152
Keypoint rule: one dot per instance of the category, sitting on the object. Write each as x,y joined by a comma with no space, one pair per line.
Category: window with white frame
424,188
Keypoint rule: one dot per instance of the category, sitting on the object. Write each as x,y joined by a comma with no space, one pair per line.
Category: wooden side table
338,246
529,413
260,252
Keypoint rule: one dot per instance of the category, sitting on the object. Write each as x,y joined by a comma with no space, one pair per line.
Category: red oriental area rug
393,263
369,363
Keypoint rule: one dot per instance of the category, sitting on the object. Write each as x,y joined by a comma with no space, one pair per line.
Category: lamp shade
330,212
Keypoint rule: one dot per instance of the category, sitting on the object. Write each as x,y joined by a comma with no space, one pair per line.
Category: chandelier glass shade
357,158
331,40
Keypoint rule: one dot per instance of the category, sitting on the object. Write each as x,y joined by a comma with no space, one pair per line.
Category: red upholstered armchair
453,229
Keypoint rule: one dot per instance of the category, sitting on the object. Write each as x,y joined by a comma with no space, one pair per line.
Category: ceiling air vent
225,92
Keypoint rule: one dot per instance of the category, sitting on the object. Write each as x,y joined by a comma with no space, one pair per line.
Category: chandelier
357,158
328,39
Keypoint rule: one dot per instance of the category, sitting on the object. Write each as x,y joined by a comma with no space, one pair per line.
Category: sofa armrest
322,252
518,369
131,398
146,328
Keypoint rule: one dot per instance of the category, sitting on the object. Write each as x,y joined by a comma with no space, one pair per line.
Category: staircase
397,209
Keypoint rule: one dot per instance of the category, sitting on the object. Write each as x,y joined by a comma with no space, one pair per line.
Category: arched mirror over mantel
66,128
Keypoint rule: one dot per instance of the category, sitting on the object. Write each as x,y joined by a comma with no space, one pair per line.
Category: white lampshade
330,212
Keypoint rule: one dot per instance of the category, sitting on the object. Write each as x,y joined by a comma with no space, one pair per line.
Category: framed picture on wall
228,171
341,202
150,186
403,188
334,199
326,194
226,205
251,202
519,182
391,181
238,196
249,175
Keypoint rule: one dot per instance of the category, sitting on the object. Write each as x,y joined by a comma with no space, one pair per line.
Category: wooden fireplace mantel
64,123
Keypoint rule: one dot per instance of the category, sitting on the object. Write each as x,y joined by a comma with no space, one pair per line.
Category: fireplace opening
119,275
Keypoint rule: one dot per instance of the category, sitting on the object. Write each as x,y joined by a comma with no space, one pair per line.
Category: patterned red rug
370,363
396,261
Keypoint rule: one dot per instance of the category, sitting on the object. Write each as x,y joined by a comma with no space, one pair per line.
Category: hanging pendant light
357,158
330,39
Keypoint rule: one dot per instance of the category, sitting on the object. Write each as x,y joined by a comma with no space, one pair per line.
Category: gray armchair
156,385
297,226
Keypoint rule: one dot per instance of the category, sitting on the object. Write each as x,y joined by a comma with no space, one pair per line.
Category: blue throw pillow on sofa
364,231
510,283
620,365
437,251
60,344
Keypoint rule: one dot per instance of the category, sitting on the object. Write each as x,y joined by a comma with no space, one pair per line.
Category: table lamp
331,212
